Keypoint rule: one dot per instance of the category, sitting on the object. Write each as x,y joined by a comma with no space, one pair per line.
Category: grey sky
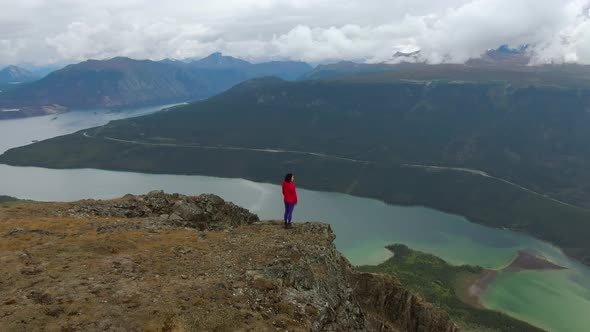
54,31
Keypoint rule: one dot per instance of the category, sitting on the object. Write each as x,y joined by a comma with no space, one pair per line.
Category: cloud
44,31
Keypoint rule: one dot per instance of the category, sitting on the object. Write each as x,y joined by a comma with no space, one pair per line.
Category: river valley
557,300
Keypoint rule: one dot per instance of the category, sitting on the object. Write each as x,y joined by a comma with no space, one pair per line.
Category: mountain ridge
124,82
480,70
14,74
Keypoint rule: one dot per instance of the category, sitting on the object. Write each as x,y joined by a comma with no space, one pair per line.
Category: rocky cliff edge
161,262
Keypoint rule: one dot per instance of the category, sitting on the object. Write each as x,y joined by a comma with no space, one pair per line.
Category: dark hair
289,177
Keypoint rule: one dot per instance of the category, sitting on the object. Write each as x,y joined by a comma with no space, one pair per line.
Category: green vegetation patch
7,199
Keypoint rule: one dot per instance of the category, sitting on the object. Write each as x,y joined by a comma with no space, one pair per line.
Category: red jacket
289,192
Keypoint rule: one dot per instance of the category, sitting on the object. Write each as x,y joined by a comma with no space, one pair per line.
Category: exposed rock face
349,300
206,211
319,274
384,298
121,265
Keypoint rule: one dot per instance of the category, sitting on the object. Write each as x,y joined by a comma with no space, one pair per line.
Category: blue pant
289,212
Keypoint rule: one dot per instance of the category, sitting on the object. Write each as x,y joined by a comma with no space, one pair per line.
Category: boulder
207,211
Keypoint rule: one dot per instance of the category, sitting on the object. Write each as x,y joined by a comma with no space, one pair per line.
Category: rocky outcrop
348,300
141,263
319,275
385,300
206,211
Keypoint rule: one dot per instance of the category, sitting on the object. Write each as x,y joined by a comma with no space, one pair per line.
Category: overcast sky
63,31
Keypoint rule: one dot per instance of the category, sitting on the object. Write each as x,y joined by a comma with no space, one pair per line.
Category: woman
290,198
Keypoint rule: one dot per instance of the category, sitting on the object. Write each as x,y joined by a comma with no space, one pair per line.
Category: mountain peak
215,55
122,58
504,56
116,63
15,74
15,69
218,60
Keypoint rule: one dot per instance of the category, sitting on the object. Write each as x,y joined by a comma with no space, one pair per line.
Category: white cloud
47,31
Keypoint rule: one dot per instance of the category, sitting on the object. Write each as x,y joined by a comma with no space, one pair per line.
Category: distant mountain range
219,61
14,74
346,68
504,59
288,70
40,71
124,82
491,67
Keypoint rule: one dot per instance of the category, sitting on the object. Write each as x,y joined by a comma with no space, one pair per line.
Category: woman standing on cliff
290,198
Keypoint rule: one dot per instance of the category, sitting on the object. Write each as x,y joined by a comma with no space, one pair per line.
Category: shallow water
557,300
552,298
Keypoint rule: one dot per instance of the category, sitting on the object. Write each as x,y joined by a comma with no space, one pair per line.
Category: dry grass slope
67,269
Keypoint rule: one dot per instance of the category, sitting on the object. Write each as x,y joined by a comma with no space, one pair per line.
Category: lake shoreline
473,288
